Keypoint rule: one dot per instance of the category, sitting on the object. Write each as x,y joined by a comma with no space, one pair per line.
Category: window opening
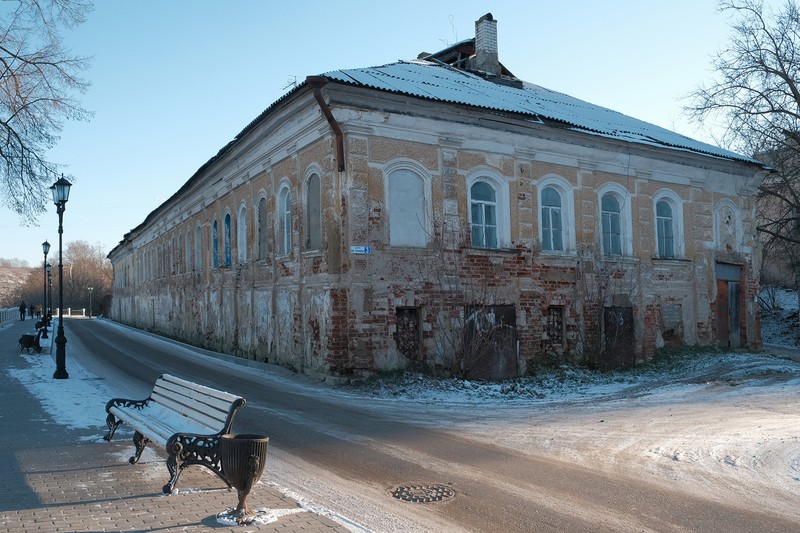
484,215
610,221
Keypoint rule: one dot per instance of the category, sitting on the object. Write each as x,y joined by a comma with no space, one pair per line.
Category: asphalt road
360,455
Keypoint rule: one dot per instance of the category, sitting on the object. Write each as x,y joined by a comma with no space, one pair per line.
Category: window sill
472,250
623,259
670,260
558,253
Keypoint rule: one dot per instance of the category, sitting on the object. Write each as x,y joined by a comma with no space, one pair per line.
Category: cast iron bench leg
113,424
140,441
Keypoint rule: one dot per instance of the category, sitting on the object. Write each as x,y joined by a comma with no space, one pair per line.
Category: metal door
619,338
491,339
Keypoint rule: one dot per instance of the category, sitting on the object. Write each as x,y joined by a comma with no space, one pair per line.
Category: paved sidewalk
53,478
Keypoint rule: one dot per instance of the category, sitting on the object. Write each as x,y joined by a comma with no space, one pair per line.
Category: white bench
185,418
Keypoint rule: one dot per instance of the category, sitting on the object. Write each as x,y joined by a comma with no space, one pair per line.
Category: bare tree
86,265
474,335
756,94
37,78
606,288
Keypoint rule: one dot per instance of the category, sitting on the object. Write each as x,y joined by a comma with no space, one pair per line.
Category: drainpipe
316,83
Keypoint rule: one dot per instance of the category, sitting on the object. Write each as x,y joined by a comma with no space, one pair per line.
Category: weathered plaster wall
332,311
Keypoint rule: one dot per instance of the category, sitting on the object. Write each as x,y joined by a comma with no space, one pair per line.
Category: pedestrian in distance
22,309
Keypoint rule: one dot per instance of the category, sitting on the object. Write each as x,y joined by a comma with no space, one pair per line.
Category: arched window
175,251
556,215
262,229
180,264
552,221
616,226
227,239
241,235
313,213
285,221
407,212
610,225
483,210
668,218
187,252
665,232
198,248
215,245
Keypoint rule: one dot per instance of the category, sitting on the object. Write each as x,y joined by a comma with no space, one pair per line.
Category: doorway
728,305
490,344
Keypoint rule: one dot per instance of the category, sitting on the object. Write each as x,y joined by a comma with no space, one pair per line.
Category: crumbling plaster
332,311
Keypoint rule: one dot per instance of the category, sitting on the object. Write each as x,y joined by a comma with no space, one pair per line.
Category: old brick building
441,211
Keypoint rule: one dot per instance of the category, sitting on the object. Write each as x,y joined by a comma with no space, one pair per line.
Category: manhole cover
423,493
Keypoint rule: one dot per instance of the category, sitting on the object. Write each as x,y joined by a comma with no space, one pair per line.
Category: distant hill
12,279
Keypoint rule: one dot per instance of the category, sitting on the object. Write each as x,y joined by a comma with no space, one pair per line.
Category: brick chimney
486,58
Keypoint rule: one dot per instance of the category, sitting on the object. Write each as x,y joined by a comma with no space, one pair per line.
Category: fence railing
68,311
8,315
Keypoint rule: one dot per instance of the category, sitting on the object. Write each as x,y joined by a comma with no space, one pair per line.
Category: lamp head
60,191
45,247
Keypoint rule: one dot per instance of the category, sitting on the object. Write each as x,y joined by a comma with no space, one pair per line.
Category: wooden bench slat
207,391
191,397
191,402
157,424
194,413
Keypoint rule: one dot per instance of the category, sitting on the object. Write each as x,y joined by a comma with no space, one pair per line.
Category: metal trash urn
243,457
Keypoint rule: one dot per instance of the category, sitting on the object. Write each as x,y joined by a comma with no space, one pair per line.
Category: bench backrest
210,407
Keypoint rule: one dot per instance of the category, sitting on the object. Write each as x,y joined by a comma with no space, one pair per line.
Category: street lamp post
60,191
45,249
49,293
90,289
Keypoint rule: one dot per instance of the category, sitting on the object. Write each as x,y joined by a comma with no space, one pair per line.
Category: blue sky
174,81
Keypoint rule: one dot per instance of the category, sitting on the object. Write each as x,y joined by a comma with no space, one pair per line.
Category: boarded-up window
313,214
555,325
406,209
262,229
407,335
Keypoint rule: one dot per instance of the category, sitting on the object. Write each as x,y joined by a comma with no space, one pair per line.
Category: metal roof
440,82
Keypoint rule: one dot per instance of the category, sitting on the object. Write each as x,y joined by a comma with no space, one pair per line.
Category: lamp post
49,303
60,196
45,249
90,289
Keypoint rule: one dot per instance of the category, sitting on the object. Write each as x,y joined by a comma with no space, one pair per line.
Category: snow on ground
779,317
721,425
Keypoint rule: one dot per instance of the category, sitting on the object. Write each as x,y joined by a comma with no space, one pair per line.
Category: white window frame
500,186
188,255
262,227
567,192
625,219
198,248
241,234
284,219
215,244
676,203
228,238
310,228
